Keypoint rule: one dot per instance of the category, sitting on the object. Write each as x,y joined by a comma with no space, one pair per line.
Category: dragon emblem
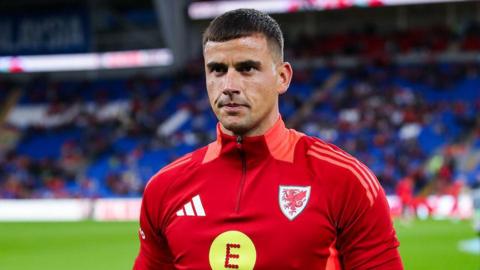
293,200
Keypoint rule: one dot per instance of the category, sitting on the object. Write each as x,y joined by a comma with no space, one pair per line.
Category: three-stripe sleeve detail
359,170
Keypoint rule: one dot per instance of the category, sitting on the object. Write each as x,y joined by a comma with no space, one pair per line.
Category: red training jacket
283,200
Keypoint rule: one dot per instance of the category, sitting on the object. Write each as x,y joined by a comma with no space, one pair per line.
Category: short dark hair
242,23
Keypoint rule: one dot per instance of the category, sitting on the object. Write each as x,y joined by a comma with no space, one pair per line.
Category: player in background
476,208
404,191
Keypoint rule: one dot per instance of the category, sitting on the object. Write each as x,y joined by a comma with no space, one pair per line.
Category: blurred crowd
372,43
396,130
97,127
401,120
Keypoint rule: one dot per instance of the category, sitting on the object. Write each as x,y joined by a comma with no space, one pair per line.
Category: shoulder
177,168
344,170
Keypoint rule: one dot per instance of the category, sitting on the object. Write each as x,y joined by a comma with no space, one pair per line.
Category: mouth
232,105
233,108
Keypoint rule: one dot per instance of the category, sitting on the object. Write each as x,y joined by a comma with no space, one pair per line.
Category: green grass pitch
114,245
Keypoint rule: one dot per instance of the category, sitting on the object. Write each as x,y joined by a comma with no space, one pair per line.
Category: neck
278,142
258,130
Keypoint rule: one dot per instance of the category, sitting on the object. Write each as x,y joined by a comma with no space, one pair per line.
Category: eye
218,69
246,69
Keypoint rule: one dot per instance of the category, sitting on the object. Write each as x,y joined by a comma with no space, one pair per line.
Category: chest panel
218,215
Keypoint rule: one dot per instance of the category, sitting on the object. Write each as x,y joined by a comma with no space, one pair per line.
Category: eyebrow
243,64
248,63
213,65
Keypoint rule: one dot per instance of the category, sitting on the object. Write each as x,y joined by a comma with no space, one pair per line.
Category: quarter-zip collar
278,142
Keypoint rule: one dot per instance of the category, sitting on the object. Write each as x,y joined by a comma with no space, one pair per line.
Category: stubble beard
239,127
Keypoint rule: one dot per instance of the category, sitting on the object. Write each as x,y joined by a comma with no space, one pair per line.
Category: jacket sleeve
154,251
366,238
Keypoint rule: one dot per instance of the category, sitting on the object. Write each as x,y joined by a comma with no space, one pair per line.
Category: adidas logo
192,208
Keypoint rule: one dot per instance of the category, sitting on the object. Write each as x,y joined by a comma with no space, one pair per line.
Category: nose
231,83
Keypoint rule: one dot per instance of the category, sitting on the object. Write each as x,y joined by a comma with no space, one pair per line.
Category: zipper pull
240,142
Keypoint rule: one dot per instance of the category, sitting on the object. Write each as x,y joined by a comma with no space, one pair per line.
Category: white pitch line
470,246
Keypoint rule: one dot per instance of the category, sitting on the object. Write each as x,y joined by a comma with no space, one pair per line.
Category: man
261,196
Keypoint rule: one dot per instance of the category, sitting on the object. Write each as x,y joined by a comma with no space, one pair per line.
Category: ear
285,73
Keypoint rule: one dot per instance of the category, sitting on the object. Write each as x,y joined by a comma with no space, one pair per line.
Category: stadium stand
102,143
372,43
106,137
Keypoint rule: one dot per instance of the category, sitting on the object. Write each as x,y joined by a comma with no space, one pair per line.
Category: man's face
244,79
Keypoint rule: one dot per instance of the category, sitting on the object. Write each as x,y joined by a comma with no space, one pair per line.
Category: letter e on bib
232,250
